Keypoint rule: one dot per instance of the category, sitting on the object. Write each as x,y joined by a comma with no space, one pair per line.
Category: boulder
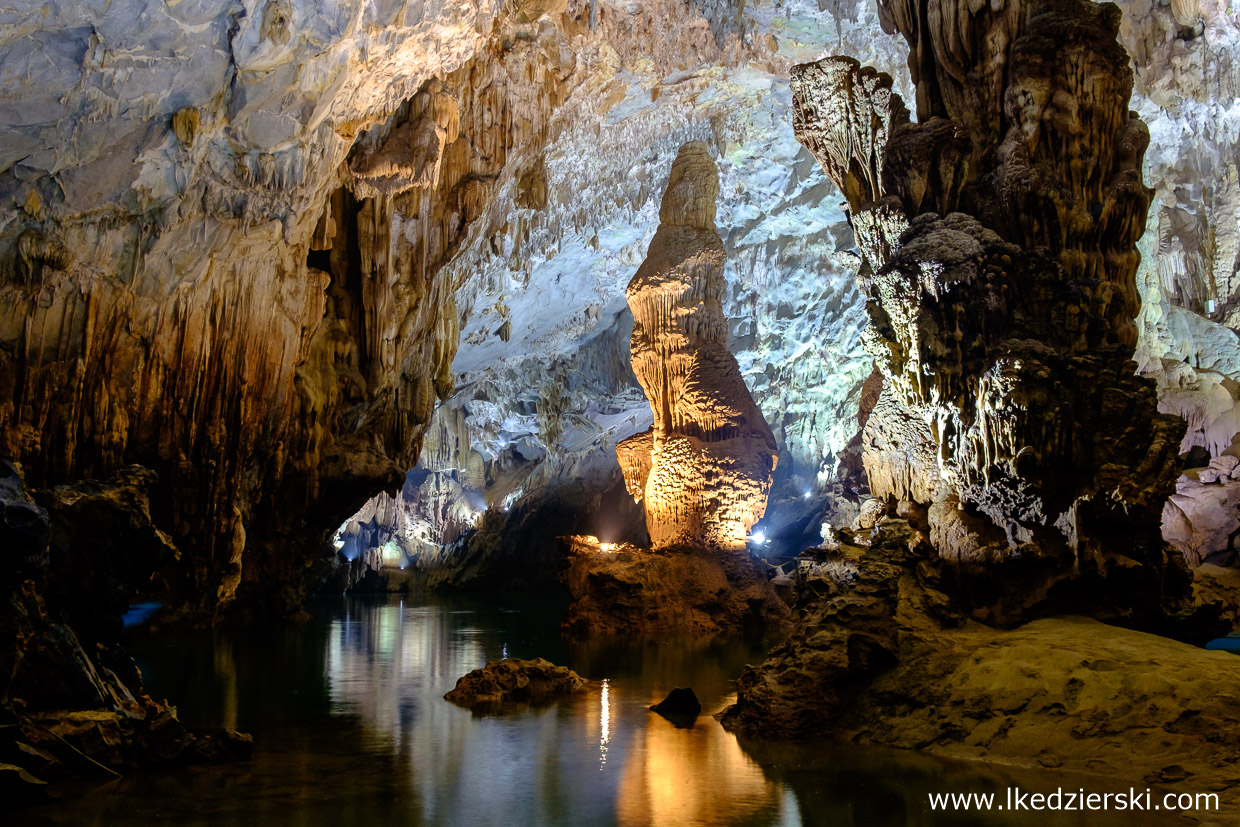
512,680
681,706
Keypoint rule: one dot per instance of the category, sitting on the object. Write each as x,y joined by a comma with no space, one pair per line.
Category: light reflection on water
350,727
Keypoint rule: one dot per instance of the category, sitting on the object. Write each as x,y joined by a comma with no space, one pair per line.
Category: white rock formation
164,171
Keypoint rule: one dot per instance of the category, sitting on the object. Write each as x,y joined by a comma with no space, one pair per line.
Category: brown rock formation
998,237
704,468
620,589
512,680
272,342
884,660
64,695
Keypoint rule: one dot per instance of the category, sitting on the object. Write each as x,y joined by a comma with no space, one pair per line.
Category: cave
593,412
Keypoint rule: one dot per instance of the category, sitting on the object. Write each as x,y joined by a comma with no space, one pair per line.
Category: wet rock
512,680
74,703
140,734
888,660
619,589
842,641
681,706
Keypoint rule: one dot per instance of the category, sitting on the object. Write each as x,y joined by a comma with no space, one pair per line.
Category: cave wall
211,270
212,265
794,314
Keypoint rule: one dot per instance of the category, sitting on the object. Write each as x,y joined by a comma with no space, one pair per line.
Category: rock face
1066,693
65,695
874,599
516,681
704,468
1202,517
999,243
619,589
228,270
884,655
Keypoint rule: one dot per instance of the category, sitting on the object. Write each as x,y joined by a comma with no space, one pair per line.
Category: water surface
350,727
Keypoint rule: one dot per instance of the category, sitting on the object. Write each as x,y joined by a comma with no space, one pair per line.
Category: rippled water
350,727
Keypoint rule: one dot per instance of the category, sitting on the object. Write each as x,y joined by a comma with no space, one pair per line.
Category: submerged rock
625,590
514,680
681,706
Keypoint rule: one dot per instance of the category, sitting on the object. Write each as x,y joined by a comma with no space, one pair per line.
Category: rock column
998,237
704,468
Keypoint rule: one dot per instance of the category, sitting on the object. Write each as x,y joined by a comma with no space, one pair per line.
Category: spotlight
807,494
758,537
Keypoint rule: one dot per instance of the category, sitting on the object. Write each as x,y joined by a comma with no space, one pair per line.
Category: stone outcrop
70,703
681,706
883,654
868,602
618,589
1202,518
998,237
515,681
704,469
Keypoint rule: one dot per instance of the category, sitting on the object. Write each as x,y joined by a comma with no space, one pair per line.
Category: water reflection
604,723
699,775
350,727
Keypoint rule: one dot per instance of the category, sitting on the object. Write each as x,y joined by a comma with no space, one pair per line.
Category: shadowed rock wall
999,242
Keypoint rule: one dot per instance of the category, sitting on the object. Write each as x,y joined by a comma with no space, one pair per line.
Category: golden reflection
226,669
661,783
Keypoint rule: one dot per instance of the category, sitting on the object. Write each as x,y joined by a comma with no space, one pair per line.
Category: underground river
350,727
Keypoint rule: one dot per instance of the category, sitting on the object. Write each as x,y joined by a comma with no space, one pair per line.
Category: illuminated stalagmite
998,236
704,468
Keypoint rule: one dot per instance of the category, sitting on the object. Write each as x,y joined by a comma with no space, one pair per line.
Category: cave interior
617,412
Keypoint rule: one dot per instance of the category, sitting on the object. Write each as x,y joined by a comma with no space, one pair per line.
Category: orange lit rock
516,681
704,468
619,589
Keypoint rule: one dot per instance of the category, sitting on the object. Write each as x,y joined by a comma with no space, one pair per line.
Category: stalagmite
704,468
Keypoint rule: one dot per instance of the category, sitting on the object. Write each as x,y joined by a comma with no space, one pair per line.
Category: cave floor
350,726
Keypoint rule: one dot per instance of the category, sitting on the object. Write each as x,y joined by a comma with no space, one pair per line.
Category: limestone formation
1202,518
711,454
235,277
999,243
886,660
619,589
512,680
